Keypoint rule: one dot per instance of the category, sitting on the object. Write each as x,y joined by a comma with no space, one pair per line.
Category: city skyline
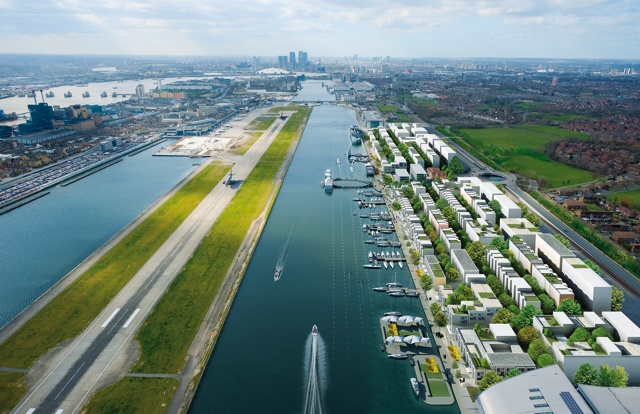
556,29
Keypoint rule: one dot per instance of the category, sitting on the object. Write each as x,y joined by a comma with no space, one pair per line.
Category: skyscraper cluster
291,63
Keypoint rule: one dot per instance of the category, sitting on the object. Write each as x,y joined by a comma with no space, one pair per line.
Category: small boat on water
400,264
412,361
383,347
416,386
392,313
394,284
397,294
380,289
385,264
372,266
370,256
400,355
338,161
277,275
314,330
413,294
390,264
370,241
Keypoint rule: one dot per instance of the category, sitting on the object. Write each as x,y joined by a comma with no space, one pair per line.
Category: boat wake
284,252
316,374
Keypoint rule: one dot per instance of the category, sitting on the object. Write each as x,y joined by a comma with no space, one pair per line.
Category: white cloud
326,27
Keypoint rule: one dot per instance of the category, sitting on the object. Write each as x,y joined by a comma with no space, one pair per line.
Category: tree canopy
477,252
503,316
525,317
490,378
617,299
570,307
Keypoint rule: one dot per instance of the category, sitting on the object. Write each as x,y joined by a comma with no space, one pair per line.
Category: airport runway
106,350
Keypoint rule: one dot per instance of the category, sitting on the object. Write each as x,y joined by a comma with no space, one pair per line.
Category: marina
329,288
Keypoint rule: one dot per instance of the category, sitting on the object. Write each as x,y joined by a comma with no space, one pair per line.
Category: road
64,379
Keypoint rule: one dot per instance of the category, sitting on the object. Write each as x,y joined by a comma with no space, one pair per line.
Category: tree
453,275
617,299
435,308
525,317
496,207
546,304
545,360
408,192
450,215
500,244
442,203
537,348
562,239
526,335
533,219
585,374
600,332
570,307
579,335
441,319
477,252
505,300
592,266
490,378
387,179
502,316
396,206
513,373
415,257
454,168
495,285
464,292
426,282
535,286
612,377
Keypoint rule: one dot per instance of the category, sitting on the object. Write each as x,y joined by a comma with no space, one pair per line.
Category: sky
563,29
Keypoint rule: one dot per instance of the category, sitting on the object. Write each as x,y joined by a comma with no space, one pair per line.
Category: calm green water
261,361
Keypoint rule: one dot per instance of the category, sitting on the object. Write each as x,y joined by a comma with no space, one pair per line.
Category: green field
521,150
629,198
12,388
135,395
386,109
261,123
169,330
533,137
438,388
554,174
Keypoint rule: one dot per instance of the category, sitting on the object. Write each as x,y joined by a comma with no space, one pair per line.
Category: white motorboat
400,355
416,386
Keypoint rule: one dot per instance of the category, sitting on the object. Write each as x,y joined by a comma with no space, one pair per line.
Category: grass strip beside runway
12,388
138,395
167,334
69,313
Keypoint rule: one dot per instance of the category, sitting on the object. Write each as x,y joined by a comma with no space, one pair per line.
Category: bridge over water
351,183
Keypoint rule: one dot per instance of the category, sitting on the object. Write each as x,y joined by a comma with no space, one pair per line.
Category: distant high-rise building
554,81
283,62
303,61
292,60
140,91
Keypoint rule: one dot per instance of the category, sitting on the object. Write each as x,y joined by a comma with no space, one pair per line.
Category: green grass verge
553,173
12,388
629,198
169,330
385,109
261,123
533,137
438,388
68,314
134,395
242,149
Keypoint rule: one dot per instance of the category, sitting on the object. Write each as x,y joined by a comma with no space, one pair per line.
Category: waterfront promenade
426,299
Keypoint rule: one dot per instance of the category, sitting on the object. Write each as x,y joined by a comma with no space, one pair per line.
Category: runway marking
176,249
133,315
113,314
31,410
119,319
68,382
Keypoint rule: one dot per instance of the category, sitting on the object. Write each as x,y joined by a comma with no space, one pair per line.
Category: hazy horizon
448,29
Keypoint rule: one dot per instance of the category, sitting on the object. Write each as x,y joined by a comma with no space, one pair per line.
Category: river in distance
265,360
45,239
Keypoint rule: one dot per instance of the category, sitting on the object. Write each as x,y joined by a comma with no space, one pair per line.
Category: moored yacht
400,355
416,386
